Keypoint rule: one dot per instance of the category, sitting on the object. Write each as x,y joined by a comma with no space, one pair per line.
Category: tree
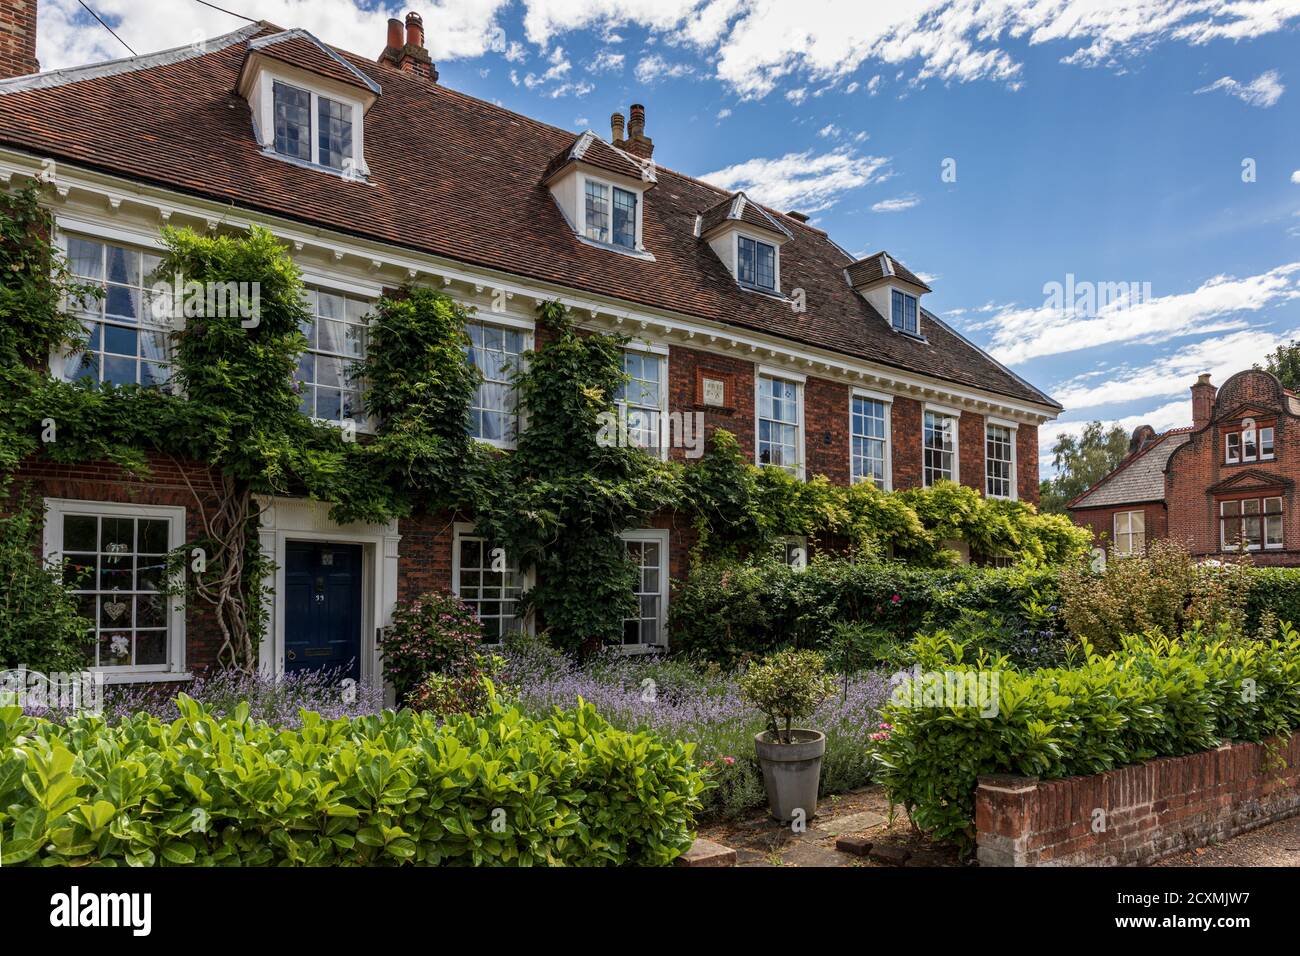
1284,362
1081,461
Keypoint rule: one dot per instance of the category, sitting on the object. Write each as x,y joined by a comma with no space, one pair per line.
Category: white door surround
302,519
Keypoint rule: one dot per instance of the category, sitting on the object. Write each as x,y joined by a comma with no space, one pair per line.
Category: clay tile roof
299,48
1139,477
740,208
591,149
459,178
881,265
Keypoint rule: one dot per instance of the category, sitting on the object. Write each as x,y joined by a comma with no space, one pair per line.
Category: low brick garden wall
1139,814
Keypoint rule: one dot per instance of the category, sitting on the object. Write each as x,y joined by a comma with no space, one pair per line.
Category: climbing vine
557,504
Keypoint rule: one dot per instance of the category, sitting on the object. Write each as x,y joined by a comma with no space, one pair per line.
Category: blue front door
322,607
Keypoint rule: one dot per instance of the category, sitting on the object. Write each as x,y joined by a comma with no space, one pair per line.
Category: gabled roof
1251,479
301,49
591,149
879,266
456,177
740,208
1138,478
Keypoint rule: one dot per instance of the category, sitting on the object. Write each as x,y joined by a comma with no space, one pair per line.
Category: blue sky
1103,139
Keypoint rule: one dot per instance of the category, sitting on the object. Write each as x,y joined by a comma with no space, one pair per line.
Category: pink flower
729,760
895,599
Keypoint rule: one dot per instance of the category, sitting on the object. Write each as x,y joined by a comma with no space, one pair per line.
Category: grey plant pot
792,772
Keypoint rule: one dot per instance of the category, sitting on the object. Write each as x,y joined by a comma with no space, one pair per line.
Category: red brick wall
103,481
424,554
18,38
1138,814
1198,466
970,450
826,429
737,417
905,437
1027,463
1101,521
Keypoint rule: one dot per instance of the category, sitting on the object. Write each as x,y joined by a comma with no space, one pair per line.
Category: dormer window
748,239
308,103
618,229
891,288
904,312
756,263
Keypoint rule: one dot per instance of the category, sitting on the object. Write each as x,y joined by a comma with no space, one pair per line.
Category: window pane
292,121
491,584
337,339
624,218
597,211
335,123
495,352
939,444
867,440
998,461
778,423
746,264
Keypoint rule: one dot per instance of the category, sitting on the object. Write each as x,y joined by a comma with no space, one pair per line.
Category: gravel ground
1277,844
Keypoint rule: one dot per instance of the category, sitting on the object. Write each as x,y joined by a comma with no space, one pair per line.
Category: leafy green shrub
788,686
730,611
40,623
1164,589
435,633
1153,697
397,788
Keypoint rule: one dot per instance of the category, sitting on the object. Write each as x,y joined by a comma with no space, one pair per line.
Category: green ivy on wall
557,504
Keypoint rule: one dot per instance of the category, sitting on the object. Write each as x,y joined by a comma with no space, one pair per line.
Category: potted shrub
789,686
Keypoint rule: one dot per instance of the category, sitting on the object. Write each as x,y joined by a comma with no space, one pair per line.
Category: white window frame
661,353
776,261
366,425
57,509
1013,428
955,415
462,530
515,325
888,401
264,118
658,536
1262,516
799,381
1130,533
610,185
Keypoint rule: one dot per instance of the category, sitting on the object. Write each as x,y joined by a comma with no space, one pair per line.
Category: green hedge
1153,698
732,611
398,788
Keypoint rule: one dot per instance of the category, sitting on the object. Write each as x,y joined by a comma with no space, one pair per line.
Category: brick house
375,175
1227,482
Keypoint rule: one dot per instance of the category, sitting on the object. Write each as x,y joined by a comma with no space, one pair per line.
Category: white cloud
1019,334
829,131
1263,91
1295,177
67,37
852,87
724,113
797,95
654,67
606,62
515,52
803,181
1173,373
898,204
873,85
582,122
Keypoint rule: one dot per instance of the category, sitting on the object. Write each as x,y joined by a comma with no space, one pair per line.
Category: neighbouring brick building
374,175
1226,483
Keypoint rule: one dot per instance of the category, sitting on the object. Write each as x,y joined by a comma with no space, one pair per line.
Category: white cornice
392,265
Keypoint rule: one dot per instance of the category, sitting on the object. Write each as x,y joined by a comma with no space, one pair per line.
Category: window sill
498,443
640,650
144,677
363,178
643,254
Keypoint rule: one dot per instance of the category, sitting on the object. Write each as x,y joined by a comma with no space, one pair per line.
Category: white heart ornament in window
115,609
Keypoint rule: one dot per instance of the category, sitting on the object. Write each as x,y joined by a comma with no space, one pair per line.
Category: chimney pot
636,124
637,142
616,127
1203,394
395,40
414,30
18,39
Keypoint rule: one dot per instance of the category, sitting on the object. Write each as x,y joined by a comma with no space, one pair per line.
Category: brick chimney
18,38
616,129
409,53
637,142
1203,401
